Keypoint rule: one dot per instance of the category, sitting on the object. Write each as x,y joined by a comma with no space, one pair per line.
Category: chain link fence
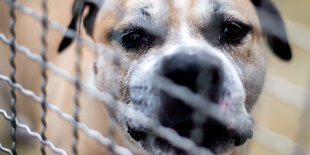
277,142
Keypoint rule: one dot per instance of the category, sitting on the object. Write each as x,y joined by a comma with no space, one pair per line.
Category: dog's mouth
215,137
203,130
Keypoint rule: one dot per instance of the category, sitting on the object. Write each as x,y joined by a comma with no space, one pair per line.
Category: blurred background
284,107
282,114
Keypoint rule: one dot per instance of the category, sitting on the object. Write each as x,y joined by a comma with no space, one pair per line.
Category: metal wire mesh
12,76
44,74
108,99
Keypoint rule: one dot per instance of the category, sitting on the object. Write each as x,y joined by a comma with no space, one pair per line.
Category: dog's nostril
135,134
241,138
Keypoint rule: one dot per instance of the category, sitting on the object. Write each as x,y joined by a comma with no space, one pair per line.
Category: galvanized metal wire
12,75
67,117
58,27
6,150
32,133
77,93
43,72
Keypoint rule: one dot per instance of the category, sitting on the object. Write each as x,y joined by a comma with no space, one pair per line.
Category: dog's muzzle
203,74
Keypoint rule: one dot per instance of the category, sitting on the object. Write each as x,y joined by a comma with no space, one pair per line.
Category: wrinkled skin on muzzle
199,70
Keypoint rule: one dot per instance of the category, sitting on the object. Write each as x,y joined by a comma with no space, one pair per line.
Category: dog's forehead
174,13
159,8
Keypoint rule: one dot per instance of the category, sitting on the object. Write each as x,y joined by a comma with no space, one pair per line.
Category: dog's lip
229,137
218,140
224,133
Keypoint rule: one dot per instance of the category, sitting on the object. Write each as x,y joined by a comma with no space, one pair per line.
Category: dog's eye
136,39
233,33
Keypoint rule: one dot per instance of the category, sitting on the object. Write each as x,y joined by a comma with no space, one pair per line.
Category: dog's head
210,49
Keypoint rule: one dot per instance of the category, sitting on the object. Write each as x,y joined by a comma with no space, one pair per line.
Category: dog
212,49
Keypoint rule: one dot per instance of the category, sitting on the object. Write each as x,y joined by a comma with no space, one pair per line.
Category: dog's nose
200,75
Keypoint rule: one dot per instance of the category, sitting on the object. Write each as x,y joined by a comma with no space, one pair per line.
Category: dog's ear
88,21
273,27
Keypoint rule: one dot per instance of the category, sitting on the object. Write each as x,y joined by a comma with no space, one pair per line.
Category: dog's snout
201,75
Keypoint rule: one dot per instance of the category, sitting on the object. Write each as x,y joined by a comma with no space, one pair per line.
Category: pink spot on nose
224,105
225,102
